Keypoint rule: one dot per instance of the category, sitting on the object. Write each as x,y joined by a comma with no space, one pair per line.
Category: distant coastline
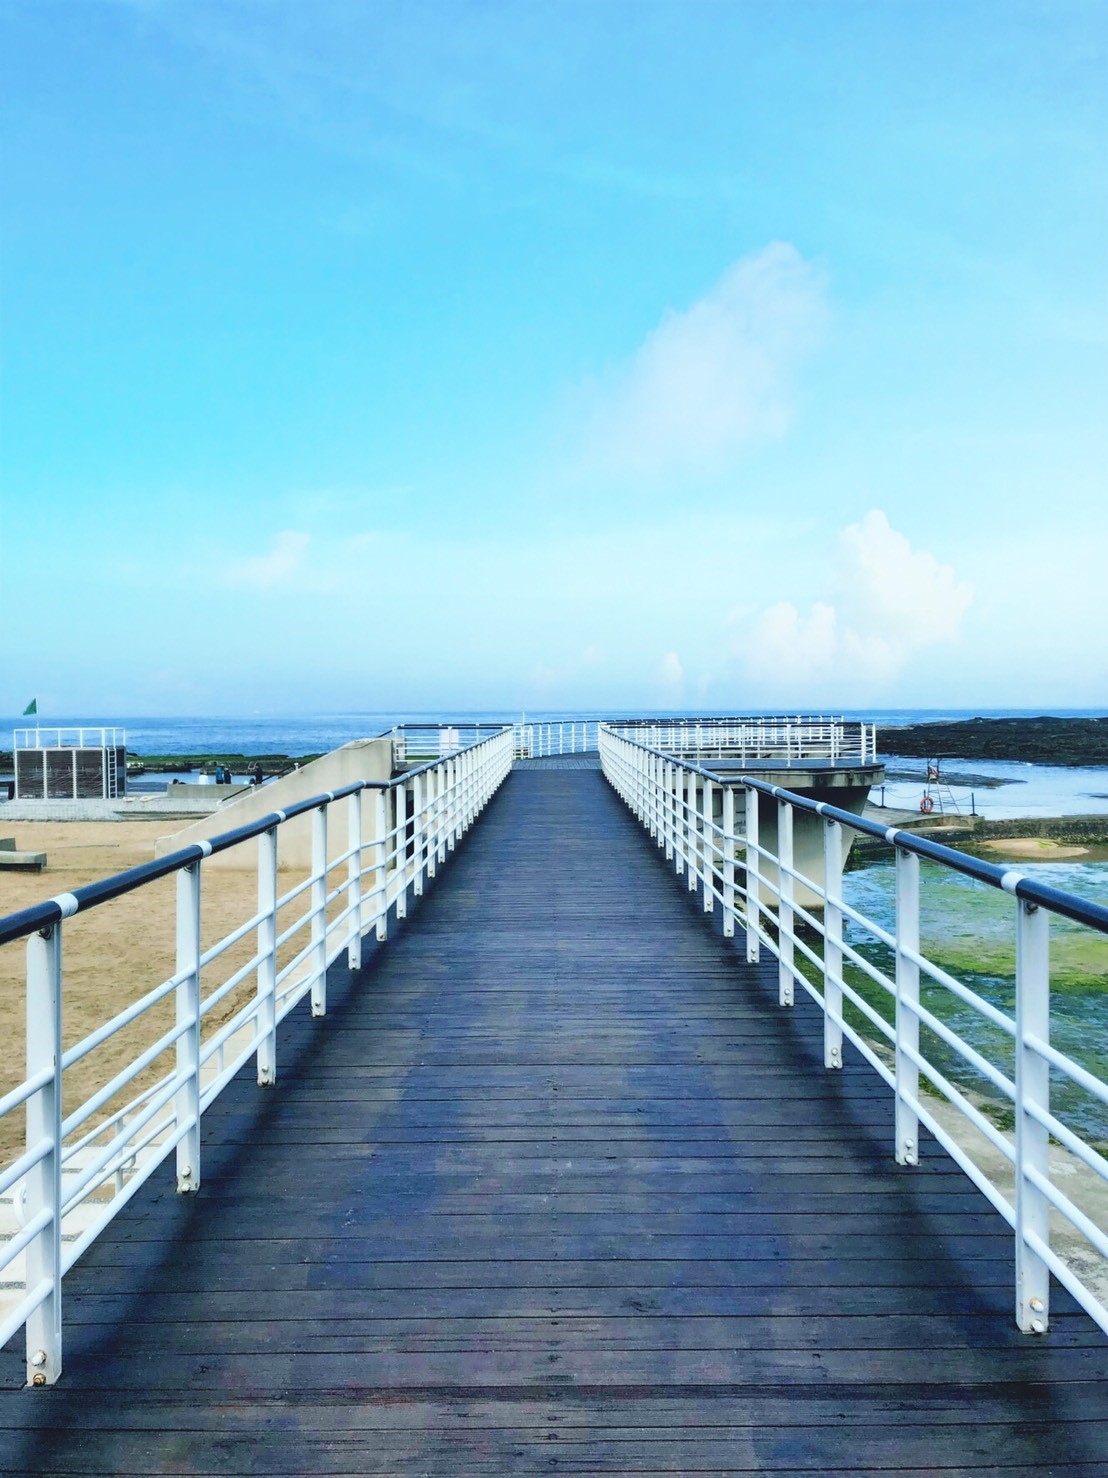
1041,740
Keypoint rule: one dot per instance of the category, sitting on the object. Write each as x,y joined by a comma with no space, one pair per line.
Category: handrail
1011,880
417,818
766,891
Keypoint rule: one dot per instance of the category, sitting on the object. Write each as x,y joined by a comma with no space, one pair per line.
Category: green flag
32,707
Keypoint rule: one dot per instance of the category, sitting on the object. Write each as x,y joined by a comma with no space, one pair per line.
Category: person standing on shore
256,772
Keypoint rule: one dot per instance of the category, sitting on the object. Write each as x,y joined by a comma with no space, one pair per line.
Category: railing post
708,846
381,863
186,1101
907,996
419,836
832,944
785,894
354,879
266,1026
442,818
728,862
433,789
319,911
1032,1139
400,792
44,1181
679,803
692,830
753,886
667,806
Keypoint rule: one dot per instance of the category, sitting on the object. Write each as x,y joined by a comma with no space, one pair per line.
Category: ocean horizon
313,733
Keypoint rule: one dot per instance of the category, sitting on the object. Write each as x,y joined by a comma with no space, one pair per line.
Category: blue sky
372,356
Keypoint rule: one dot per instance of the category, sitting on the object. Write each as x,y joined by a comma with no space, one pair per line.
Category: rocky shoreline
1040,741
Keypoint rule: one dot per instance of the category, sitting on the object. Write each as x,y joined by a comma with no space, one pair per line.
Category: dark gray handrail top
1011,880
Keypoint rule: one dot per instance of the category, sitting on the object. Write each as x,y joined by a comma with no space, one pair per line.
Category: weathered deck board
558,1188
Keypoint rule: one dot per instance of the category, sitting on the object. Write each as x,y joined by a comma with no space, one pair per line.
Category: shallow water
1026,790
968,928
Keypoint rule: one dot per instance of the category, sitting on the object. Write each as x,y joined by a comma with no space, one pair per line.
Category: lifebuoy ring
927,805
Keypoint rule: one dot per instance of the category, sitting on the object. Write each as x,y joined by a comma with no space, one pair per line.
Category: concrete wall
846,787
364,759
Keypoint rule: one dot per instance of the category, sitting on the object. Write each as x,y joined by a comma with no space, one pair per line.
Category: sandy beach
114,953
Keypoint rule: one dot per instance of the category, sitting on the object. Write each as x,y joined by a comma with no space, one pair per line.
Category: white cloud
262,571
713,377
891,602
912,598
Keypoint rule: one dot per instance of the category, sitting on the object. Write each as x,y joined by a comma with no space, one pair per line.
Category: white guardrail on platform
79,1168
678,801
777,740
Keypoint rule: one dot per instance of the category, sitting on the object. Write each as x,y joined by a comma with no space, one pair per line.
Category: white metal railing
779,741
542,738
708,825
76,738
84,1161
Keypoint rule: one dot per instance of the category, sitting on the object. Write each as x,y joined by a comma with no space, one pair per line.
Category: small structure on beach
69,764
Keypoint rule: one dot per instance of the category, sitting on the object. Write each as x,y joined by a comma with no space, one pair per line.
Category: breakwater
1041,740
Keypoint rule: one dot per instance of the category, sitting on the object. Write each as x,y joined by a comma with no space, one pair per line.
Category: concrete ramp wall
363,759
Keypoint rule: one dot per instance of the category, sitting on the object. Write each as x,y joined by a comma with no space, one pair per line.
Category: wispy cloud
264,571
712,377
890,602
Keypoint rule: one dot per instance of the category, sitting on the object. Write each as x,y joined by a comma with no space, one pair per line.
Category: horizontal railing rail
716,827
79,1168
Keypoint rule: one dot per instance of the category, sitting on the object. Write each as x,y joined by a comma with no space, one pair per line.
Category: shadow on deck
557,1187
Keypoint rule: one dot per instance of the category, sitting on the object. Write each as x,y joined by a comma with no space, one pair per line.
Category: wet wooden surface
557,1187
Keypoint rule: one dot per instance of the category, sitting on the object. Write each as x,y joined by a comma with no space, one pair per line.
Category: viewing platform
556,1140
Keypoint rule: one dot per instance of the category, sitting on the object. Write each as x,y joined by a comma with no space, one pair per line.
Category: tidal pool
968,928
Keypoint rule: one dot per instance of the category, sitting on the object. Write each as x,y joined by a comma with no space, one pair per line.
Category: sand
1040,848
117,952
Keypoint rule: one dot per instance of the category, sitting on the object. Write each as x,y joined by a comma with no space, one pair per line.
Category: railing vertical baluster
666,803
401,852
44,1181
753,886
708,837
354,880
433,788
907,997
692,828
728,843
786,919
678,818
186,1101
457,772
381,863
832,944
266,1023
445,802
419,836
319,911
1032,1139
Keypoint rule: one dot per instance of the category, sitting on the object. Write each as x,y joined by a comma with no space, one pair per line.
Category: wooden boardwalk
558,1188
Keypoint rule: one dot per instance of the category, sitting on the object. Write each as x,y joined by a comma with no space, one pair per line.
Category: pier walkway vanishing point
556,1186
